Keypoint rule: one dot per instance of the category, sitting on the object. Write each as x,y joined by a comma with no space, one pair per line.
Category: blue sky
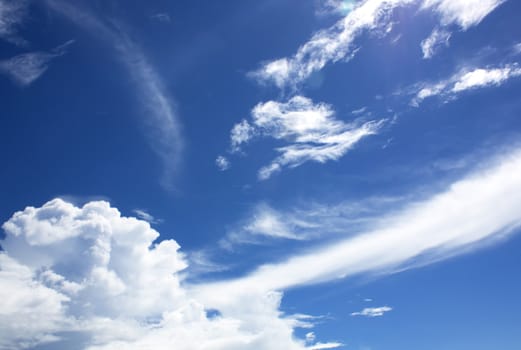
260,174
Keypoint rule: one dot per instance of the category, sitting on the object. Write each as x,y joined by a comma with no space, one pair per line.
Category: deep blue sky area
132,102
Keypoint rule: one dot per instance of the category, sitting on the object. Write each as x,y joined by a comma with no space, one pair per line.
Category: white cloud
465,79
307,222
89,273
242,132
437,39
164,129
334,7
329,45
26,68
12,14
222,163
337,42
373,311
485,77
310,130
162,17
464,13
144,215
320,346
264,223
480,208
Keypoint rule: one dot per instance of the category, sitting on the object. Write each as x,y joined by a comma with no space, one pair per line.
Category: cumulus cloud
373,311
222,163
90,273
465,79
164,128
311,132
12,15
476,210
26,68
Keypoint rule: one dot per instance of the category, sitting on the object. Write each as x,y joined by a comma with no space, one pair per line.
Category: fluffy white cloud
480,208
373,311
466,79
89,273
222,163
12,14
24,69
311,131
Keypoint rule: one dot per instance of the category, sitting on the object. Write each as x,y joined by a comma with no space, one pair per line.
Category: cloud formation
311,132
435,41
12,15
89,273
373,311
222,163
26,68
478,209
461,13
337,43
466,79
160,117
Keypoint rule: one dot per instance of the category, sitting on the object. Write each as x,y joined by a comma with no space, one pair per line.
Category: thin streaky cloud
26,68
337,43
464,80
438,39
480,208
12,15
164,128
461,13
373,311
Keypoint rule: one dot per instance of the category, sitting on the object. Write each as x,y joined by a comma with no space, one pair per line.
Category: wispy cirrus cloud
461,13
338,42
476,210
305,223
12,15
373,311
160,117
26,68
464,13
435,41
311,132
466,79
